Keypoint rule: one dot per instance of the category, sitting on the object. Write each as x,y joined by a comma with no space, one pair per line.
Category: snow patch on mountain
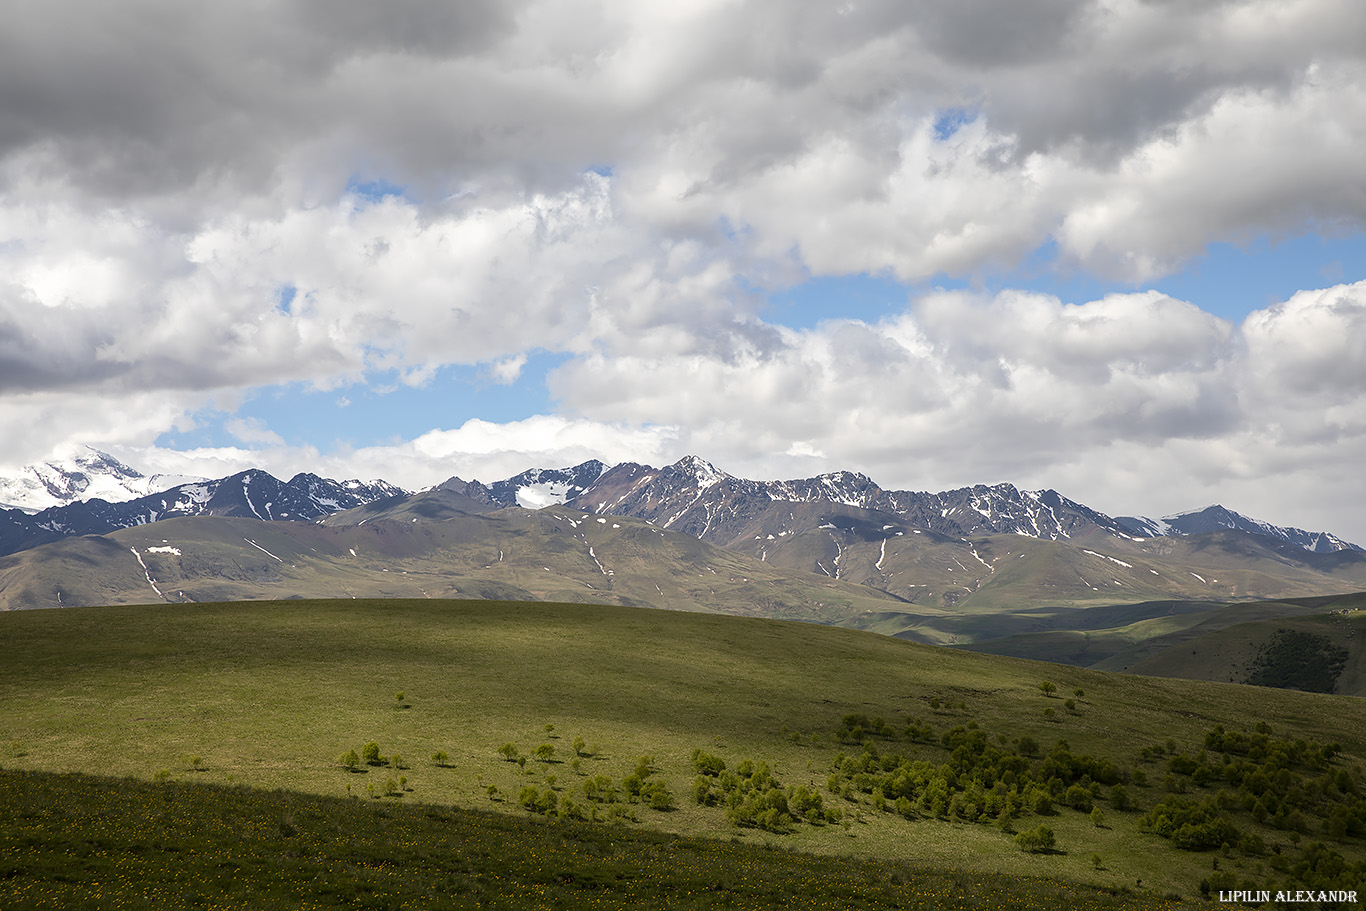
538,496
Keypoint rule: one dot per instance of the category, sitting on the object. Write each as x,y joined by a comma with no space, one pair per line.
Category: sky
1114,248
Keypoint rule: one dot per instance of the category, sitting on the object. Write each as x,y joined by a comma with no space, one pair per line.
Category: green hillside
1323,652
604,709
1166,638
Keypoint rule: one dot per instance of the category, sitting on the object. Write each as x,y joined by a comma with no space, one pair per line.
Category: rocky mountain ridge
249,494
690,496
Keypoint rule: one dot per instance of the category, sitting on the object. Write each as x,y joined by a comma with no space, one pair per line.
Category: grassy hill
273,695
1323,652
1165,638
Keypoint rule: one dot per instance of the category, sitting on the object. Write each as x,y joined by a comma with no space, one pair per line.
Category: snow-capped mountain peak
1218,518
86,474
704,473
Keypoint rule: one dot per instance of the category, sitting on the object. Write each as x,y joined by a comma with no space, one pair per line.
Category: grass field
270,695
89,843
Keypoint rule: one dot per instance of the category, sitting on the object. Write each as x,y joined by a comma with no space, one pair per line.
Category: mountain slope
693,496
511,553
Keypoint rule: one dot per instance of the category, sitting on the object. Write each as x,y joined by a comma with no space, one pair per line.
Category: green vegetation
77,842
824,741
1297,660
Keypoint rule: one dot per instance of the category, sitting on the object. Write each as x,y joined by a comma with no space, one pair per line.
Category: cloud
623,184
252,431
1131,403
478,450
755,112
1129,400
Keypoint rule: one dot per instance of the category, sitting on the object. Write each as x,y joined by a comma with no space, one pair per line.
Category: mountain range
94,493
955,566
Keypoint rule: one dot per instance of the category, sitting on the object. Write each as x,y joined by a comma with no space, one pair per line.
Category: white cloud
152,227
508,369
252,431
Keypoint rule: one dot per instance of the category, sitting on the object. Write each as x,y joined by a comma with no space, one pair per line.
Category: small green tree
1037,841
349,760
1098,818
1048,688
508,751
370,753
579,746
545,752
658,796
440,757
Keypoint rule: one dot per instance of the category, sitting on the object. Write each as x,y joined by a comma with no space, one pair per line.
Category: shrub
1037,841
707,764
370,753
1079,798
599,788
349,760
657,795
